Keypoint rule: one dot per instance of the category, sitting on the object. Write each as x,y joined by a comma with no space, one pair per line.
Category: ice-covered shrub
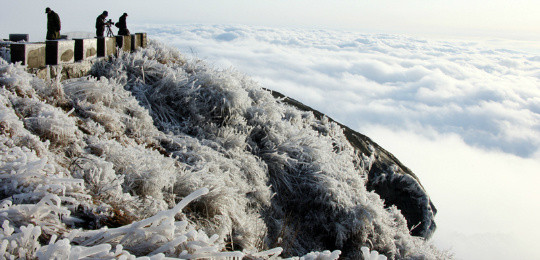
111,155
107,103
371,255
49,122
153,236
5,54
145,172
314,173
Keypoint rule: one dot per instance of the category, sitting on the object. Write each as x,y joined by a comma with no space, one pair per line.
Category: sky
517,19
452,88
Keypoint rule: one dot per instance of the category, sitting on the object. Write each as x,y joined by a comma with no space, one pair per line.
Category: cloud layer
489,97
486,200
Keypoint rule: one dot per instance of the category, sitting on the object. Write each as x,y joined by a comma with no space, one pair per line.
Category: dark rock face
387,176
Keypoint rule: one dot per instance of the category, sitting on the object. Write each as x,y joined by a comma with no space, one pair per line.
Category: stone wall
56,52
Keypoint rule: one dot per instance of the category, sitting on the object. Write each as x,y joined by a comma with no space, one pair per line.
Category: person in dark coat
53,25
122,25
100,23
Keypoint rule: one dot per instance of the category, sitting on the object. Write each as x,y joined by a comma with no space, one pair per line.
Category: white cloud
486,201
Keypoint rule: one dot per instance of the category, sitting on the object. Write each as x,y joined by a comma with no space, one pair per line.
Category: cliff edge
387,176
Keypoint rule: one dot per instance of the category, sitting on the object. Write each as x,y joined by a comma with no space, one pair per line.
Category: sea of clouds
464,115
489,97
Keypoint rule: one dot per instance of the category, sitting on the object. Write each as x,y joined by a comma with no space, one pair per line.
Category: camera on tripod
108,26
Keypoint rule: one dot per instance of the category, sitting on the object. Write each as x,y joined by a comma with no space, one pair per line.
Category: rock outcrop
394,182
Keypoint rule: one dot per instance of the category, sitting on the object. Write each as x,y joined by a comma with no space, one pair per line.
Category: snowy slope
84,158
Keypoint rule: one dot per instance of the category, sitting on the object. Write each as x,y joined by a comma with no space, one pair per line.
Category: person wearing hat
53,25
100,23
122,25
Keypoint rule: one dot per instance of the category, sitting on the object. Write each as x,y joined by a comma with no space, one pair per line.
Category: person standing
53,25
100,23
122,25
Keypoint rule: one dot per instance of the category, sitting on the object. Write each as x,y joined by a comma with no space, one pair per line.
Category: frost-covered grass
104,167
5,52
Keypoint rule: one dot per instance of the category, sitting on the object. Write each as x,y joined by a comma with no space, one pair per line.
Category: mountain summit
104,166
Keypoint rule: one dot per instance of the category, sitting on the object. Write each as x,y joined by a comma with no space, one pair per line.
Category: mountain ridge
149,128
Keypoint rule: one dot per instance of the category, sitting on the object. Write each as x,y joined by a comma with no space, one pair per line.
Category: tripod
109,31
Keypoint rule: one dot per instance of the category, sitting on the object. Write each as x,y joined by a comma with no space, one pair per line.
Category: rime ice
156,155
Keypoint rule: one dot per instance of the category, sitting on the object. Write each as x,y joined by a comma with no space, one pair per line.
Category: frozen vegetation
158,156
4,51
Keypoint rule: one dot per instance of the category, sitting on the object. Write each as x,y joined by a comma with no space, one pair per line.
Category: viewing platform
48,59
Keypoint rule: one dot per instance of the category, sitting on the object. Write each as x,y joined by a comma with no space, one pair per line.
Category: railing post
124,42
30,54
16,37
59,52
106,46
143,39
85,49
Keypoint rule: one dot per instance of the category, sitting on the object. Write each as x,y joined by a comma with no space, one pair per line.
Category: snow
95,166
